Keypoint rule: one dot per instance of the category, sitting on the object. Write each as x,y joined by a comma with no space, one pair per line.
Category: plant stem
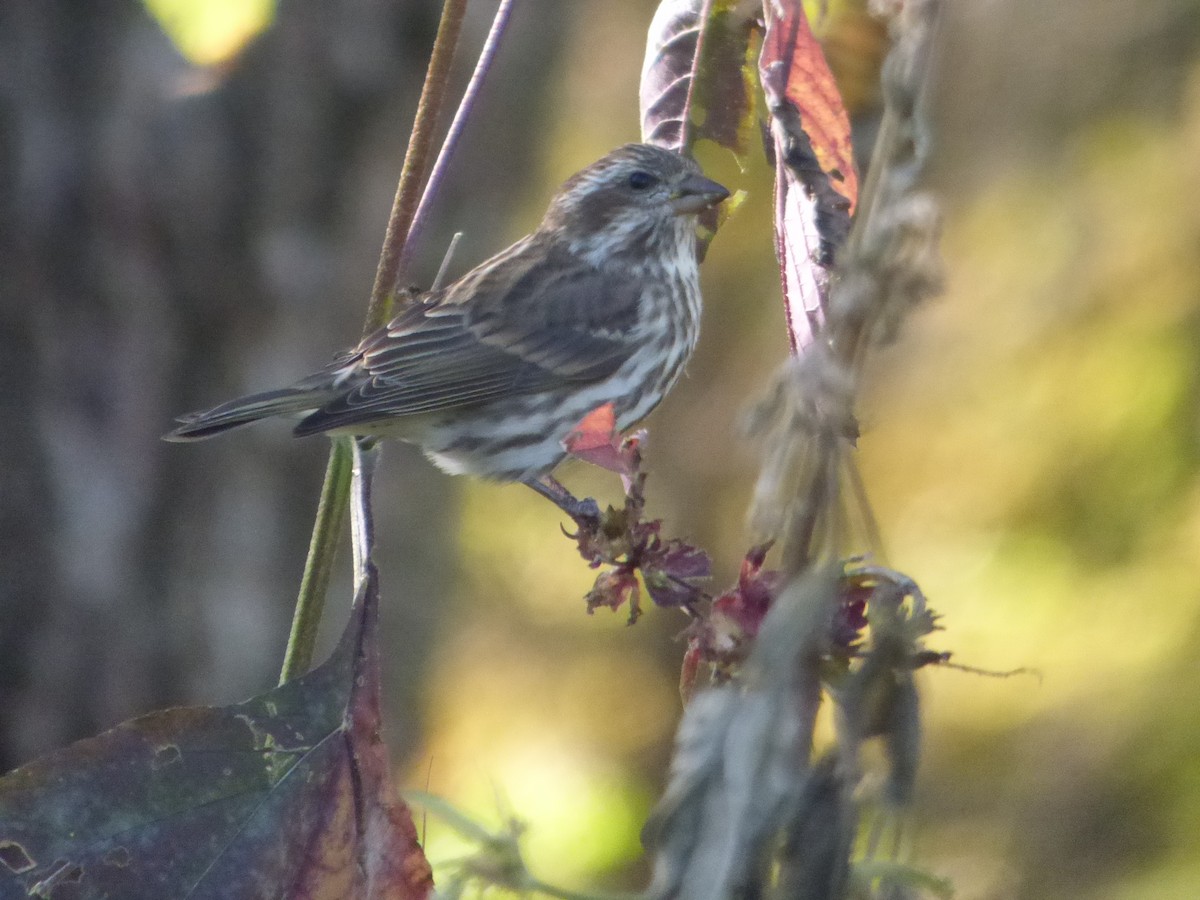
416,161
322,549
465,106
332,508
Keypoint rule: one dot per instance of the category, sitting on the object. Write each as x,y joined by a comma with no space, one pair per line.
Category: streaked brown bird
489,375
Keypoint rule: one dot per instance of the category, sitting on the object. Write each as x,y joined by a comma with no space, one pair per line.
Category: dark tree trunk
172,237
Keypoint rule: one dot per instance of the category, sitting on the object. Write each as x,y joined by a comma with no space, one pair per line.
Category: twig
444,269
322,549
450,144
416,161
331,511
362,521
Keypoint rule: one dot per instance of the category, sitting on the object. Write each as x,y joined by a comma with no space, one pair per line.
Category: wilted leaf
681,560
286,795
816,186
665,591
879,697
723,636
612,589
814,859
621,539
741,761
698,74
596,440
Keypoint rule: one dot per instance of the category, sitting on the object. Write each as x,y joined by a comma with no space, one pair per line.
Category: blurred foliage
1031,444
1044,415
208,31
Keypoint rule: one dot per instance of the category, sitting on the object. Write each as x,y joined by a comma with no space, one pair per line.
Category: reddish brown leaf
794,65
816,185
596,440
723,636
597,429
698,75
612,589
747,603
284,796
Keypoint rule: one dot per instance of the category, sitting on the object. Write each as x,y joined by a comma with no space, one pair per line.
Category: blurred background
194,195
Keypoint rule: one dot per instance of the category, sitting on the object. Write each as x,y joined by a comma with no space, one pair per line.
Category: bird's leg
585,512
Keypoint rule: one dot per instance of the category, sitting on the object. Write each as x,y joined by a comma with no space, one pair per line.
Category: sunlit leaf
892,873
793,65
210,32
698,79
596,440
286,795
816,186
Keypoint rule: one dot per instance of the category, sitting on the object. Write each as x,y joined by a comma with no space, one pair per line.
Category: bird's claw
585,512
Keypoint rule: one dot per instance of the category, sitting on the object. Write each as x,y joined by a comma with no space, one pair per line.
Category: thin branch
444,270
362,521
335,491
322,549
416,161
450,144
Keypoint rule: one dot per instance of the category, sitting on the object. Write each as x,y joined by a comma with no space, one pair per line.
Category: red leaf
816,185
794,65
596,440
286,795
747,603
595,431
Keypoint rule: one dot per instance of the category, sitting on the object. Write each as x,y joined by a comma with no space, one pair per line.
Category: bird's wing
531,318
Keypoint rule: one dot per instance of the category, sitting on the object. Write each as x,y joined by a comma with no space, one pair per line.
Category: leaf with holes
816,186
286,795
698,79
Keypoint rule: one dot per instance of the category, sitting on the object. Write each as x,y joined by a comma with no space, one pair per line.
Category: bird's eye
642,181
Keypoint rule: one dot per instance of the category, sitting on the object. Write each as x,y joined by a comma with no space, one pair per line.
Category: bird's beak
696,193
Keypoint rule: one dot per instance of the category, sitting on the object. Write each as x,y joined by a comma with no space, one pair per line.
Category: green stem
335,491
322,550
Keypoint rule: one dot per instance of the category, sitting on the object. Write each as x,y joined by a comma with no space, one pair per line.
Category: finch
601,304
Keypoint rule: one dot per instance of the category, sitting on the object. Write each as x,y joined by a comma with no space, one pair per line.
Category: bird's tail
244,410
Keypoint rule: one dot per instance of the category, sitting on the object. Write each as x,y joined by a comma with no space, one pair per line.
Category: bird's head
633,198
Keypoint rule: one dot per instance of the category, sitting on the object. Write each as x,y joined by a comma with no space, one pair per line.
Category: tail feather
245,411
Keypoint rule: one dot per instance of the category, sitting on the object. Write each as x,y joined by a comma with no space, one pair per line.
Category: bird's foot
585,512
